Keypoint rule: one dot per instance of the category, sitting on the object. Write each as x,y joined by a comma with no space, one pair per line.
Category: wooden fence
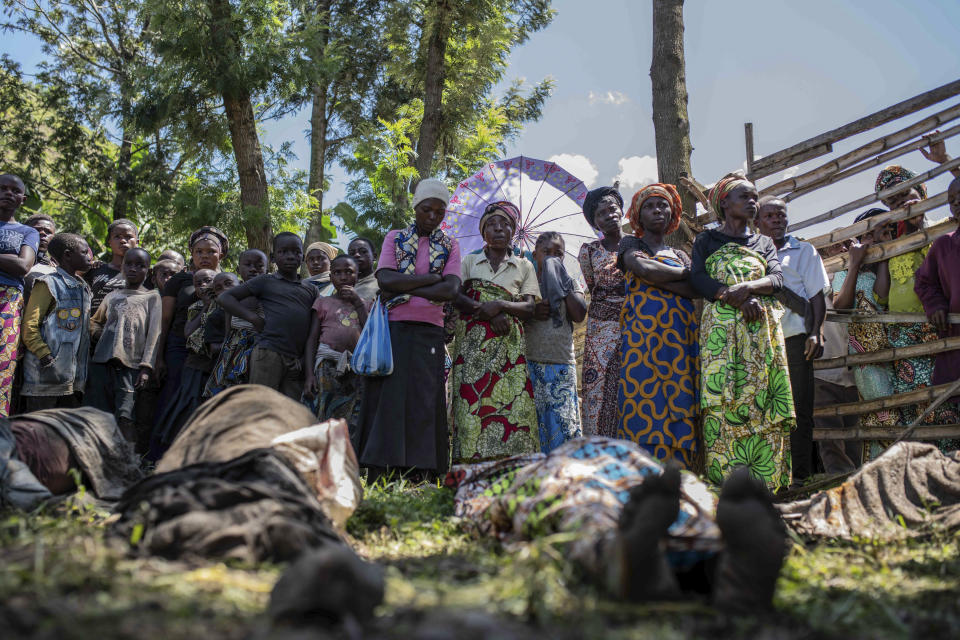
872,155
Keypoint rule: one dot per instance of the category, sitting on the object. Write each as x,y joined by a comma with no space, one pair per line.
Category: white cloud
615,98
636,172
579,166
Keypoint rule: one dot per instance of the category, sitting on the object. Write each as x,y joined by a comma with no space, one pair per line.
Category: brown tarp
905,492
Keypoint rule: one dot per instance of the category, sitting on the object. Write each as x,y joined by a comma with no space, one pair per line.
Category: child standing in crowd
174,256
318,256
335,330
121,236
233,363
363,251
214,322
163,270
549,335
276,360
18,251
55,329
196,368
127,328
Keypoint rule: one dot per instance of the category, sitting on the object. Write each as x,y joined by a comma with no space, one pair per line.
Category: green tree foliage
149,109
472,125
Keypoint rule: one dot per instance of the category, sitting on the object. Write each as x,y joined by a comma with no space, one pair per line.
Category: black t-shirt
102,280
711,240
180,286
287,312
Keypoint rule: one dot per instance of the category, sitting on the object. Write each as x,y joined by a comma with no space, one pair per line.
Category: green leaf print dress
746,400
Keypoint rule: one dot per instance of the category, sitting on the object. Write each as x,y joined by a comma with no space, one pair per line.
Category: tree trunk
434,77
670,124
318,162
318,139
237,104
124,181
253,180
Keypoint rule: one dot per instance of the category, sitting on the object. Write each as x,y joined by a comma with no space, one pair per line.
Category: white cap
431,188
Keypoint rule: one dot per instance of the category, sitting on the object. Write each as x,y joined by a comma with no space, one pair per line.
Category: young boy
55,328
121,236
233,363
18,251
126,327
335,330
277,357
549,335
162,272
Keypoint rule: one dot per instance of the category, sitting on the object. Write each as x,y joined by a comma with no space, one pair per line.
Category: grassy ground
60,578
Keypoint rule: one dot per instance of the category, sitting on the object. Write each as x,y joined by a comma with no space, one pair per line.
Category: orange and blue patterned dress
658,389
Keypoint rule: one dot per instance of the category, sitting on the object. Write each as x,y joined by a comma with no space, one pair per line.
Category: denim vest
66,331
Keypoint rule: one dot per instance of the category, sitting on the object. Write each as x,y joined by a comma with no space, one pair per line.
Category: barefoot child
333,336
55,329
233,363
277,357
127,328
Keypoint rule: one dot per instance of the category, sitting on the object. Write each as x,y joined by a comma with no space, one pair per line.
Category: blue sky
794,69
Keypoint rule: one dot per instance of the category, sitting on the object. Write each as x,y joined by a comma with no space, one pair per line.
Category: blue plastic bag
373,355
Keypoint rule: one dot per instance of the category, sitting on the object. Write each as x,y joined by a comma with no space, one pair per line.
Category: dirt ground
60,578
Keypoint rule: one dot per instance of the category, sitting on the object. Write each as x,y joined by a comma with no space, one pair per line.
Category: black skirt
403,417
177,410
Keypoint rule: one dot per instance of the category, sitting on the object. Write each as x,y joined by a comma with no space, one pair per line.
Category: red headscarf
659,190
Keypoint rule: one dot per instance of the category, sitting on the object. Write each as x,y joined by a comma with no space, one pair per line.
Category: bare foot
755,545
652,508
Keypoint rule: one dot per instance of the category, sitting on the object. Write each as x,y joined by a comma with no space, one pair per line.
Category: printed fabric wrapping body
374,354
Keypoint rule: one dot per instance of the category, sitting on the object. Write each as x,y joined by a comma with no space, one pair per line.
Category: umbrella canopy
548,196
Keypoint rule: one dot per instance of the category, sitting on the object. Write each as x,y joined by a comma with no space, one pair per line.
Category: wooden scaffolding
873,155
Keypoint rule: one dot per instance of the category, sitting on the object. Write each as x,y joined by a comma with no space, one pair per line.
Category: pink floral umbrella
548,196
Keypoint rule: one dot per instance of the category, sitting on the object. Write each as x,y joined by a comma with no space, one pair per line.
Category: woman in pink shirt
403,417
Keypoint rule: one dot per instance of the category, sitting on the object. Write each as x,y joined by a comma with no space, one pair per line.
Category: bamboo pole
925,432
767,165
872,148
876,197
927,394
889,355
859,228
748,135
887,250
883,158
848,317
792,161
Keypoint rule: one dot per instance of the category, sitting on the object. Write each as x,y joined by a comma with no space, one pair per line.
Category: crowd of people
484,364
